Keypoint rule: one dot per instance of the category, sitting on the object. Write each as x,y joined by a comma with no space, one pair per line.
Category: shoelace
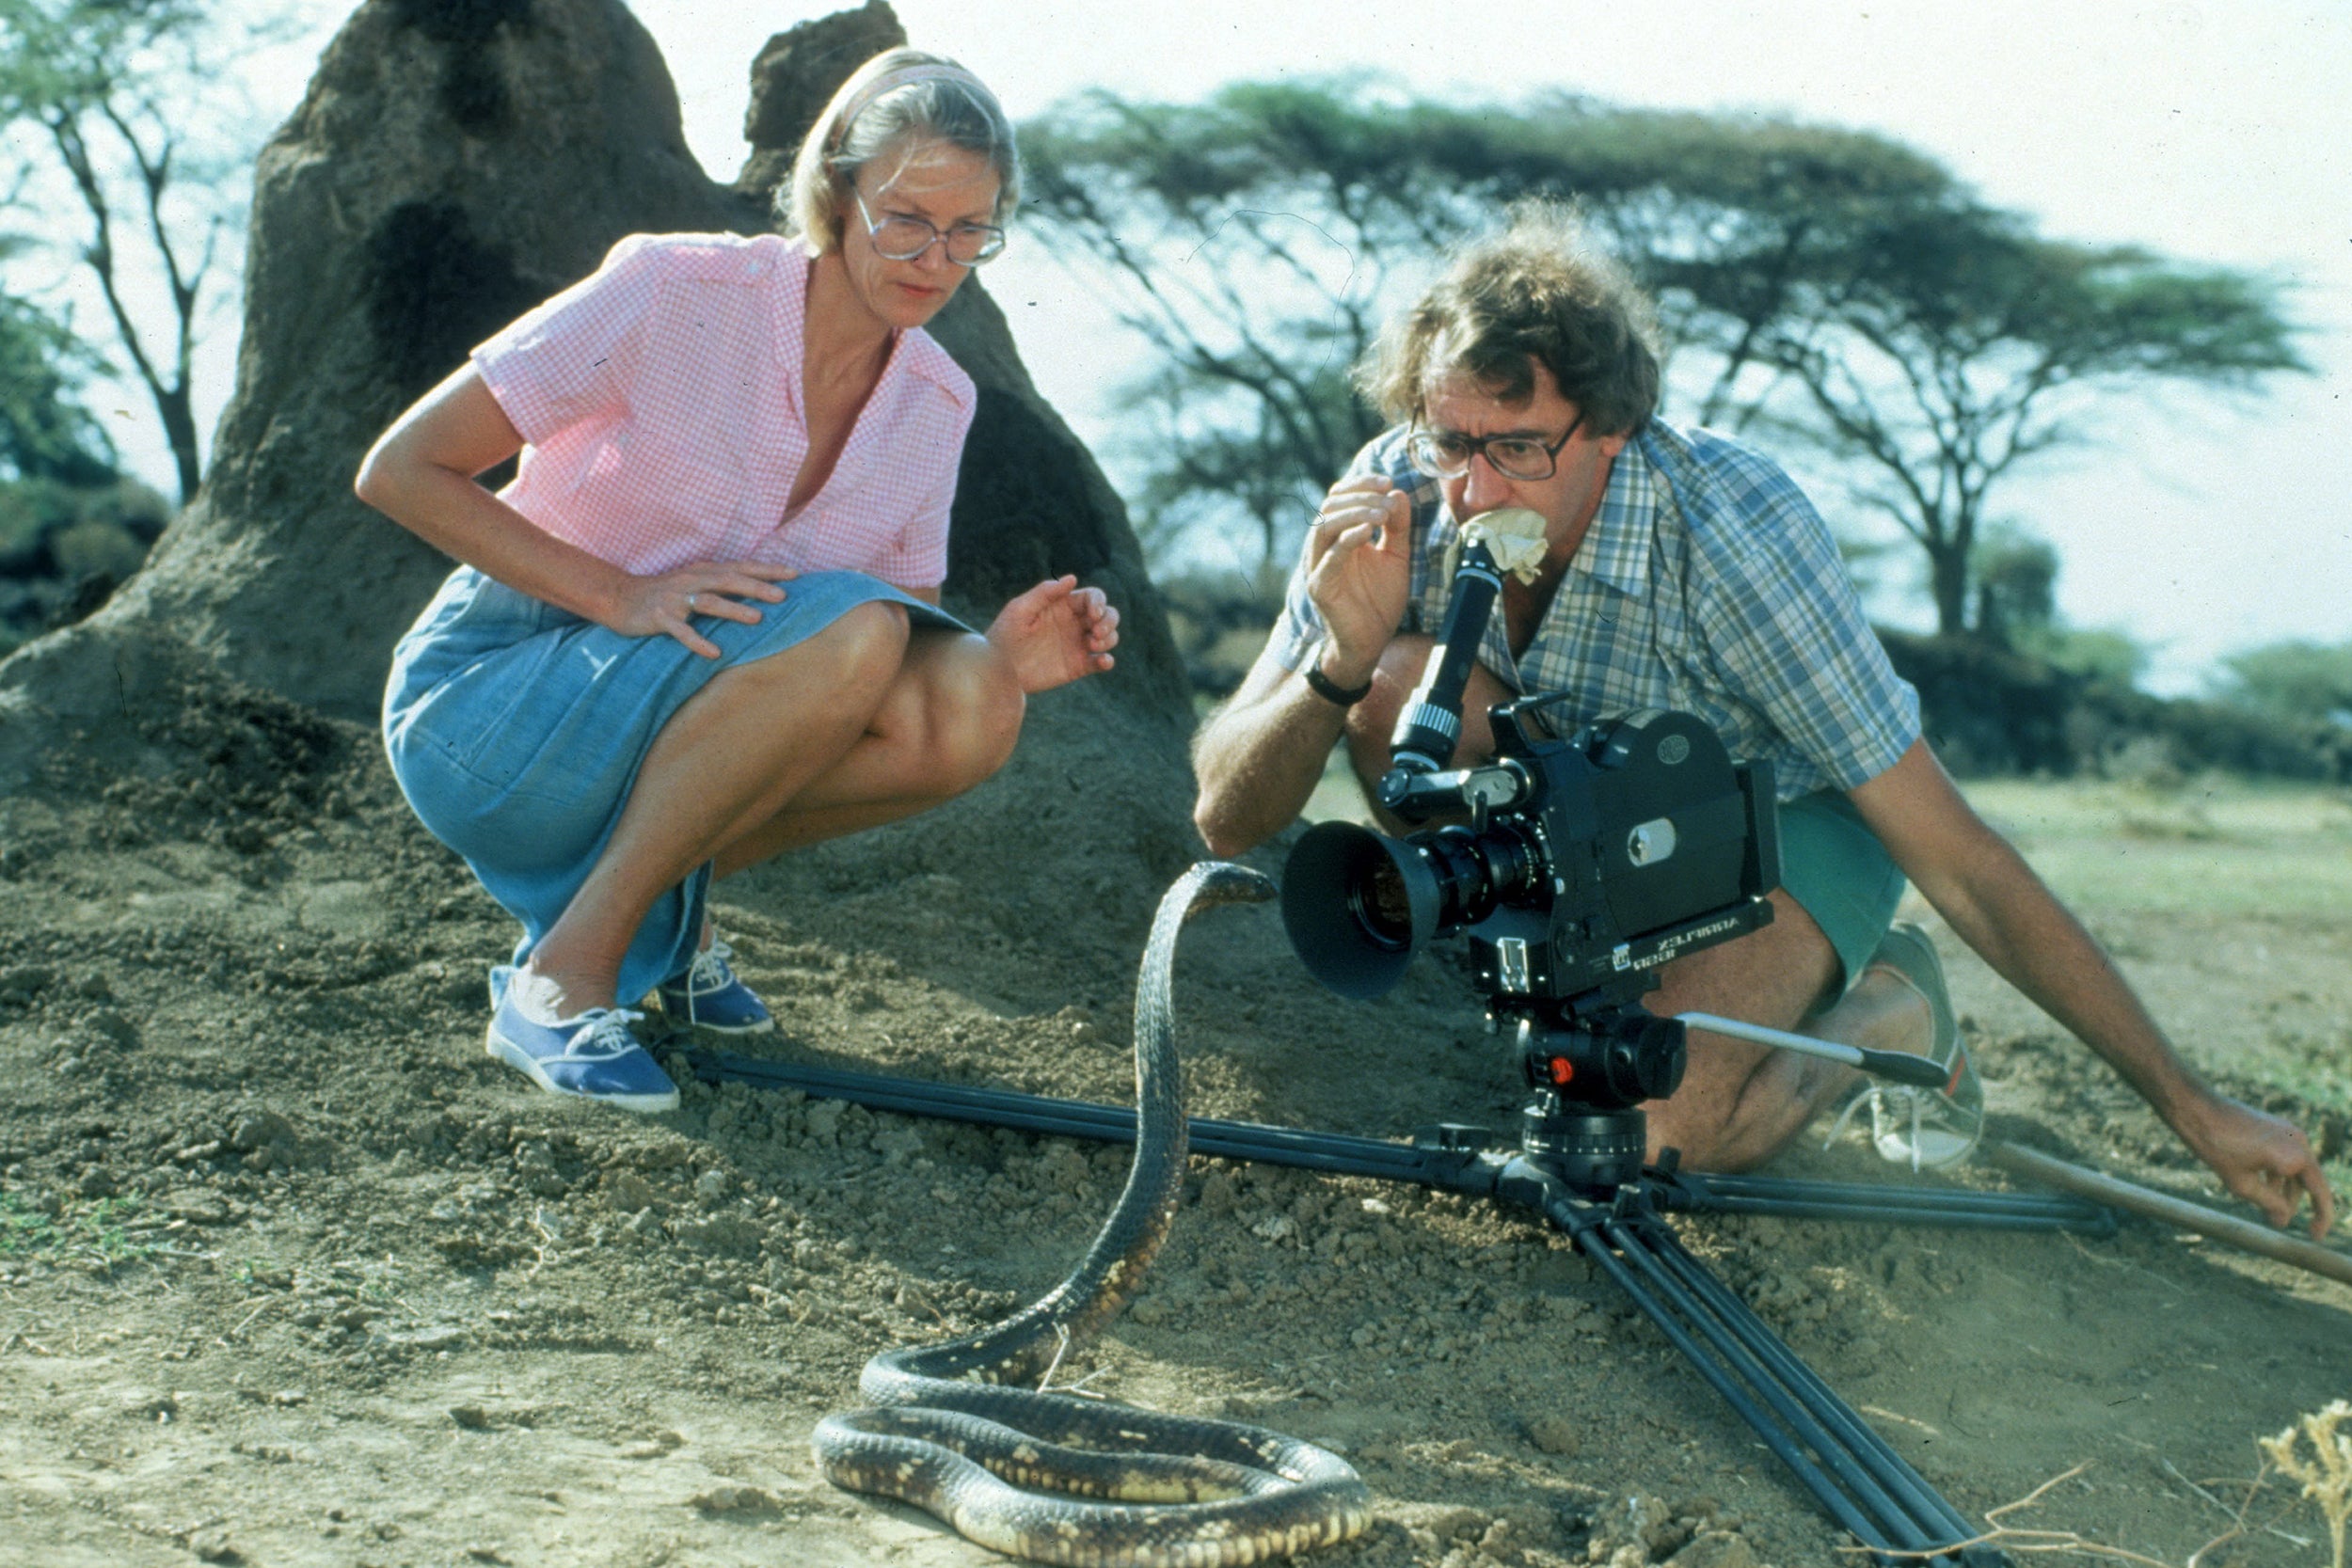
1876,1097
604,1034
710,970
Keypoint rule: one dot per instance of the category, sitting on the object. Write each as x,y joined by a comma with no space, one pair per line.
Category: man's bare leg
1741,1103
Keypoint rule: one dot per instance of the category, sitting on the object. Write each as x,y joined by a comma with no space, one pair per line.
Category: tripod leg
1845,1425
1863,1484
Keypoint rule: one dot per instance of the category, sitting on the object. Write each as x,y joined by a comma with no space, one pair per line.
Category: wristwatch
1329,691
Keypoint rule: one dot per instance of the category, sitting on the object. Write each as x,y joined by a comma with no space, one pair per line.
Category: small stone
1554,1434
472,1416
211,1545
732,1499
1715,1549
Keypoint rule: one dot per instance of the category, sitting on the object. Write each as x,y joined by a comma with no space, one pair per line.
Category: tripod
1578,1165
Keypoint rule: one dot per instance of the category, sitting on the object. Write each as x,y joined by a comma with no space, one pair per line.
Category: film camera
1576,862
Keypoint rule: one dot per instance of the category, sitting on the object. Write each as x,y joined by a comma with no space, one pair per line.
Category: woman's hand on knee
667,605
1055,633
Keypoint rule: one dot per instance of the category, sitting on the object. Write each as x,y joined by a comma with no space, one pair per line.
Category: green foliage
1938,350
45,432
2094,653
71,526
2311,682
2016,583
1257,240
97,1229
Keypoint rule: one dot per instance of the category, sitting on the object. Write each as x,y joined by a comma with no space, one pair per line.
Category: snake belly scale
961,1429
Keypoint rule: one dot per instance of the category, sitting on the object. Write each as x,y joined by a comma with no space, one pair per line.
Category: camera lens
1382,907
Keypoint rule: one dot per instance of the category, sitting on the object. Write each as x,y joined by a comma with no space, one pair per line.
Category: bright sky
2214,131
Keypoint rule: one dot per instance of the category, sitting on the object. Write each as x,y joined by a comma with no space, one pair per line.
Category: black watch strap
1329,691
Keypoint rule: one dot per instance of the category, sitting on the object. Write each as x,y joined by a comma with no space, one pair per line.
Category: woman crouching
701,626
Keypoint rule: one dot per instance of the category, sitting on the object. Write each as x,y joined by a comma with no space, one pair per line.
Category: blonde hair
898,98
1537,293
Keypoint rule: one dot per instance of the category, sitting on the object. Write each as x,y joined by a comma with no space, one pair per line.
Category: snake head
1216,882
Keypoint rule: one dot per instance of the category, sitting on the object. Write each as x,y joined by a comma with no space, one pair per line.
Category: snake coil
960,1429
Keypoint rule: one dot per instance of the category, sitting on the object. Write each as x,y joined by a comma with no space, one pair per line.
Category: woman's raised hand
1056,632
666,604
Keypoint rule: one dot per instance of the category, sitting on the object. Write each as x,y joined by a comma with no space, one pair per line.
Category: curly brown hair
1539,293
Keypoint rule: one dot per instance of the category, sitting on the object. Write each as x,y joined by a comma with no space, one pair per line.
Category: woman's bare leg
947,723
727,760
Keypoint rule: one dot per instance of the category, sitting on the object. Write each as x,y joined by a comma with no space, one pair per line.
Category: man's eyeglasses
1446,454
899,238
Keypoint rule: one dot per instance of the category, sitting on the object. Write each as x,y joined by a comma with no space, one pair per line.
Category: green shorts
1838,873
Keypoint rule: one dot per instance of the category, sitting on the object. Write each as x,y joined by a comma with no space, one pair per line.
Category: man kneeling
1680,570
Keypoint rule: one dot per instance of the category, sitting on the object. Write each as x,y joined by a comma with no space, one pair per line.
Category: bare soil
293,1274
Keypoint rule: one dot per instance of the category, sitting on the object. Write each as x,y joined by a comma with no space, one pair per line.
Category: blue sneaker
710,997
592,1056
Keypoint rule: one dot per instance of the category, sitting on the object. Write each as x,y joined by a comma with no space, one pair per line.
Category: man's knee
1774,976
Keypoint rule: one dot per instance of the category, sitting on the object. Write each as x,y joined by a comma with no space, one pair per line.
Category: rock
794,75
1715,1549
211,1544
1554,1434
254,1129
628,1192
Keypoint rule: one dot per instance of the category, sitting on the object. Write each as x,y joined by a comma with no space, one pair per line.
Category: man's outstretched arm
1986,892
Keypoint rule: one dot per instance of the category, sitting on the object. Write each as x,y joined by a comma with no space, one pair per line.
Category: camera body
1576,865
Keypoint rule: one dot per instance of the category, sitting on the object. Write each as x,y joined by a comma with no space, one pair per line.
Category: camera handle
1900,1066
1432,719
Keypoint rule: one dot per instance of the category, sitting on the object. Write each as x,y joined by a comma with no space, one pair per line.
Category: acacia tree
1256,239
1834,284
2303,682
122,99
1942,351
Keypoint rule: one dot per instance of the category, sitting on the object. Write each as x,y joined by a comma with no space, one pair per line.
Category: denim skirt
517,728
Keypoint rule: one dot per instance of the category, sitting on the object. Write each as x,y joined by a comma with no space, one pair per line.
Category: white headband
891,81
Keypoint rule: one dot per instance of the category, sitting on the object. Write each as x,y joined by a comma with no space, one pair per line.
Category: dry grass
2326,1474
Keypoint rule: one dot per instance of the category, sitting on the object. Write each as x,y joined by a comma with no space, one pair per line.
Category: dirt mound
294,1273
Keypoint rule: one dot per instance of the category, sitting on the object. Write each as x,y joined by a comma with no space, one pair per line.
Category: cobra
959,1428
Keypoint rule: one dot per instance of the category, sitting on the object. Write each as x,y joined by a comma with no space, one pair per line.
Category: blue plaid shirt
1707,583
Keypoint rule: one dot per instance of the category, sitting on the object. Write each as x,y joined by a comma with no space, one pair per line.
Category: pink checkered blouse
662,401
